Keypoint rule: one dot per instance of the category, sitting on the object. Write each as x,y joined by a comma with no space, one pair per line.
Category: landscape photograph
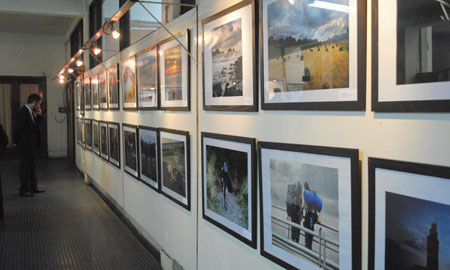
226,49
308,46
173,165
113,86
95,137
417,234
129,81
148,78
102,89
130,146
305,201
147,148
114,147
104,141
227,184
173,73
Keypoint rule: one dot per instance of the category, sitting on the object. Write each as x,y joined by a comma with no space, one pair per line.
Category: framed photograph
149,156
147,77
104,153
318,50
113,87
79,131
230,72
87,93
79,97
103,90
94,88
88,133
114,143
128,76
229,184
174,72
310,206
409,215
410,59
130,144
175,172
95,137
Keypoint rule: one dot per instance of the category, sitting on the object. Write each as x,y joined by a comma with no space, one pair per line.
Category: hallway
67,227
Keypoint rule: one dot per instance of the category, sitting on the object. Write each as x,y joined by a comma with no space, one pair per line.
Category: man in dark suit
27,141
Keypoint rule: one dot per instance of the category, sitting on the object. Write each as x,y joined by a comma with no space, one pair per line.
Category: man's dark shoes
26,194
37,190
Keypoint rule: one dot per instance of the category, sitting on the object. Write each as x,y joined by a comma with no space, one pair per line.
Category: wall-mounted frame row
310,196
155,78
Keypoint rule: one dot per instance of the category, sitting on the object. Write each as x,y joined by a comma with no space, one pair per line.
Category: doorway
14,92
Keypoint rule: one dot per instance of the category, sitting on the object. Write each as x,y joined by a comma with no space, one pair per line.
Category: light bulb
70,70
61,77
292,2
115,34
97,50
61,81
79,63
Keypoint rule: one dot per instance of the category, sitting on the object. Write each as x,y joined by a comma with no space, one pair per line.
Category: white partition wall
198,244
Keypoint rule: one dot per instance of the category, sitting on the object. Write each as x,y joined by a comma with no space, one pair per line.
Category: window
95,24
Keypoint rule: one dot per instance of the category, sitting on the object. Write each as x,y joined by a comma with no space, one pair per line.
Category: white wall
411,137
31,55
52,7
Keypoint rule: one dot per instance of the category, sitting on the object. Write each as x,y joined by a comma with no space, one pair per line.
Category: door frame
15,82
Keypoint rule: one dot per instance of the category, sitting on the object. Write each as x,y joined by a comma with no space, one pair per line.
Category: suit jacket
27,131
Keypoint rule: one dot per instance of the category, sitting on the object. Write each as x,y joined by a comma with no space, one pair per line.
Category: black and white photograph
113,87
229,184
128,80
174,93
95,97
130,146
95,137
148,156
310,205
87,93
103,90
147,74
104,152
88,133
409,216
114,143
175,166
229,60
411,44
310,54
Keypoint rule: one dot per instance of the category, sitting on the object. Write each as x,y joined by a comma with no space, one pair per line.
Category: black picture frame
116,163
254,51
139,105
94,81
129,171
79,131
104,156
187,34
157,188
186,136
87,93
420,106
426,170
355,185
116,67
253,183
96,123
358,105
122,74
88,134
104,74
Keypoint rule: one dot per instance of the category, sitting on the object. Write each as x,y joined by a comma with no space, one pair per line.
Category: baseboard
118,210
57,154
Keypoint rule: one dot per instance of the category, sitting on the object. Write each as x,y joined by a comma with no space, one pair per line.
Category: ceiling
21,23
